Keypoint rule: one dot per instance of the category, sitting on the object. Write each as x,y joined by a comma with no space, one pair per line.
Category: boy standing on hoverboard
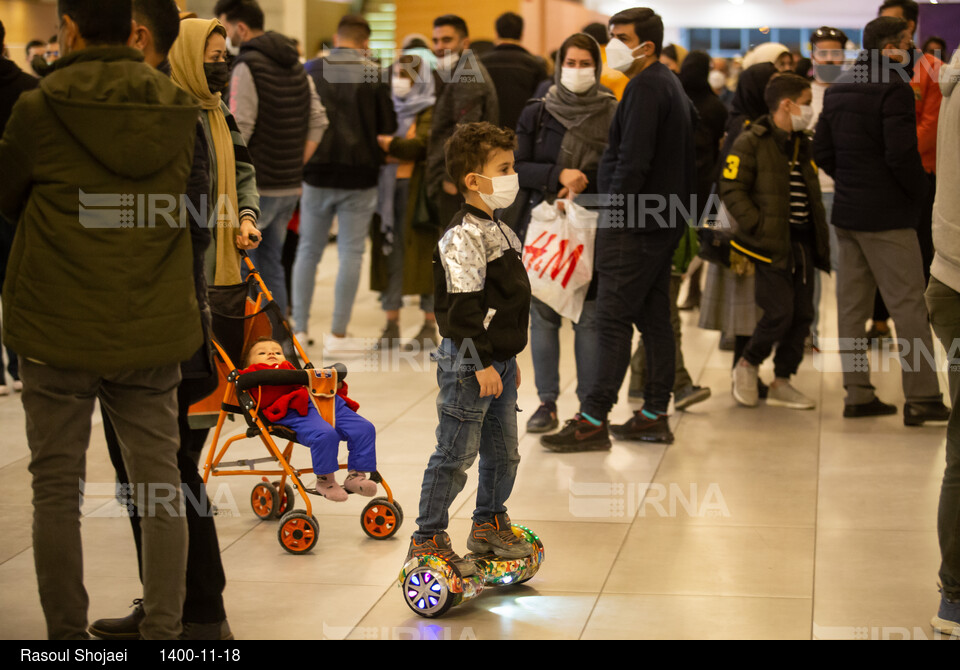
483,309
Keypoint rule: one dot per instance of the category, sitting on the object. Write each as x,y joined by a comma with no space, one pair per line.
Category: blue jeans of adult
275,214
634,270
545,347
354,209
469,426
943,303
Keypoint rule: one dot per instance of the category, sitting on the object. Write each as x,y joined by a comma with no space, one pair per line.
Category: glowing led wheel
286,500
298,532
426,592
264,500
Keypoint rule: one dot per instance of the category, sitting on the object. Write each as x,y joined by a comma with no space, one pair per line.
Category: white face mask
505,190
717,79
232,49
620,56
578,79
401,87
448,60
802,122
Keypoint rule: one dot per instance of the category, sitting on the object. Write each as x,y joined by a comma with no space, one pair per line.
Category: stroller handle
282,377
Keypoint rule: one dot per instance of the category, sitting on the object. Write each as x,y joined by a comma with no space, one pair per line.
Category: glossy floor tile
754,524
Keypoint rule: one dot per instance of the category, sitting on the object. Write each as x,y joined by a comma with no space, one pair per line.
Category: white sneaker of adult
782,394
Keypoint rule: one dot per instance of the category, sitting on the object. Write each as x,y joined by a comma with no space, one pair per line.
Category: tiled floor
764,523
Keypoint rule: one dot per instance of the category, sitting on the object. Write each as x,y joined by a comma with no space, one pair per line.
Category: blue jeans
275,214
324,440
469,426
354,209
545,346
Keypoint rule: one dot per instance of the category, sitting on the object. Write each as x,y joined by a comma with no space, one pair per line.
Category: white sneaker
346,347
784,395
17,385
744,388
4,390
303,339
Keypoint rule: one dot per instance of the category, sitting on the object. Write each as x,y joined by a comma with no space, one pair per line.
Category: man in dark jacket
100,299
280,117
866,140
770,187
465,93
13,82
516,72
651,161
341,178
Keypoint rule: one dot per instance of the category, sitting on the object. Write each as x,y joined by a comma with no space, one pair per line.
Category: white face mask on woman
620,56
578,79
401,87
505,190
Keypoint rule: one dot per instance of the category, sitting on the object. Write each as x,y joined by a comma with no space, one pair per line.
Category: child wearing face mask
483,306
769,185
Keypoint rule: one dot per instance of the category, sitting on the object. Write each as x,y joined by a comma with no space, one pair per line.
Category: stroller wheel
264,500
285,503
381,519
298,532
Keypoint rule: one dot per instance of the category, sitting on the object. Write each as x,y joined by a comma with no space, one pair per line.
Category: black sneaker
389,338
124,628
873,408
439,545
690,395
916,413
544,419
642,429
578,434
497,536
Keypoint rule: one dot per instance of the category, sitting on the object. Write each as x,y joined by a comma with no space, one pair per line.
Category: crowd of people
441,157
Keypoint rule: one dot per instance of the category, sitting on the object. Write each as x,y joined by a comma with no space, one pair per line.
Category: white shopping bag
558,255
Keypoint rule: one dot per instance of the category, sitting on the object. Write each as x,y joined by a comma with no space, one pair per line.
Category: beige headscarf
186,63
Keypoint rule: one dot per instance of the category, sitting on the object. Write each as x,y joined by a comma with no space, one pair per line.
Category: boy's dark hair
933,39
509,26
247,11
828,34
580,41
647,24
162,19
470,146
32,44
454,21
99,21
783,86
353,27
259,340
597,31
882,31
911,10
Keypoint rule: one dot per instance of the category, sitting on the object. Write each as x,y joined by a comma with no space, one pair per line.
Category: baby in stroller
291,406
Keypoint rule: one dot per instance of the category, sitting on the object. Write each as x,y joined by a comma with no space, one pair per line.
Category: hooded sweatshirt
946,208
98,280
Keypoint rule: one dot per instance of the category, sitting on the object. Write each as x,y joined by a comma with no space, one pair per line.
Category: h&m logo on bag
537,262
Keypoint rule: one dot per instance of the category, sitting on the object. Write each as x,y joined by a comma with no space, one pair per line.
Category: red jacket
277,401
926,89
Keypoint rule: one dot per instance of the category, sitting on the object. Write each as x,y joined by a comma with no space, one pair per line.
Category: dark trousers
633,273
944,305
786,298
205,577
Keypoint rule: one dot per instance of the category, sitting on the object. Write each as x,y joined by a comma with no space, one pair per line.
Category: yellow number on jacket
733,167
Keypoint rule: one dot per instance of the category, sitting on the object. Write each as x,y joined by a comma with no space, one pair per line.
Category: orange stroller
242,314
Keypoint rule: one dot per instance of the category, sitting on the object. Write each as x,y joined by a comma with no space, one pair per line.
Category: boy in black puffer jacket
769,184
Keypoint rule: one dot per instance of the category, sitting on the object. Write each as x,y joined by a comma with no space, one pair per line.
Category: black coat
349,155
13,82
516,74
866,140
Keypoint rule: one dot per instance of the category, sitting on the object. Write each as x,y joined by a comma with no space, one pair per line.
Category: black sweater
481,288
